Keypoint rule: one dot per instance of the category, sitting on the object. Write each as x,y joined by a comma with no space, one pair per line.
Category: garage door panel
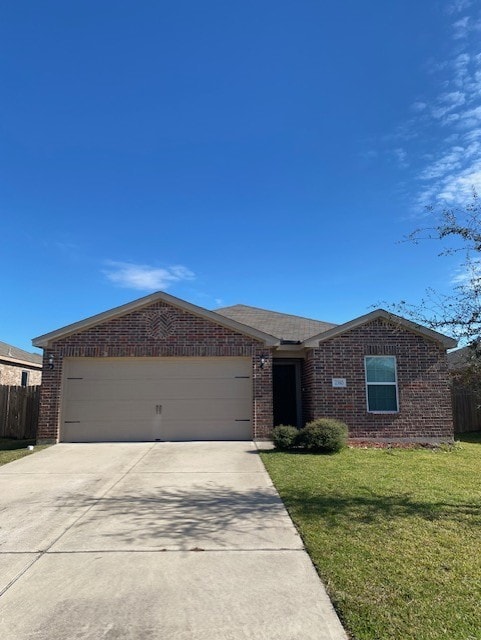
105,410
154,391
199,389
205,430
157,398
98,390
234,409
108,410
101,431
177,368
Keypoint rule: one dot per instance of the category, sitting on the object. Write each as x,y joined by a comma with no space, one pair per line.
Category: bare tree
458,313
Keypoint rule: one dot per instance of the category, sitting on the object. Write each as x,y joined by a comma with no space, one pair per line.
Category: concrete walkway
144,541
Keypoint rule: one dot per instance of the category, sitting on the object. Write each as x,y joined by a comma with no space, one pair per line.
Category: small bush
285,436
325,435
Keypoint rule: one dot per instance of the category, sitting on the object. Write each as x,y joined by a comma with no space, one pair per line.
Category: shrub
285,436
324,434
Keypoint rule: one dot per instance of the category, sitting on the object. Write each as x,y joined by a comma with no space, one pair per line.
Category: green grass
395,536
15,449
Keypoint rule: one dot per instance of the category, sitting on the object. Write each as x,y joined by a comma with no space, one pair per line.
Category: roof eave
46,340
446,341
19,361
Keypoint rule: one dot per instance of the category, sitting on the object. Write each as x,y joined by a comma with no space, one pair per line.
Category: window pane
381,369
382,397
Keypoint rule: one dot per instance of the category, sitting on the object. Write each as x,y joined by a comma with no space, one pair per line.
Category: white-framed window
381,384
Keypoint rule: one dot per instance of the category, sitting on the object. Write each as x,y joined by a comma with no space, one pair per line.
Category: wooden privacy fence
19,412
466,409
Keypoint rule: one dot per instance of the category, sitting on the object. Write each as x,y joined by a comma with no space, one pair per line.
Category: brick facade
161,329
424,394
158,330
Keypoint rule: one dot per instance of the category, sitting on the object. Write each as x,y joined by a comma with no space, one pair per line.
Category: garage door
138,399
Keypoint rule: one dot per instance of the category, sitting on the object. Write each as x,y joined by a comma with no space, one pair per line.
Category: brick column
262,391
50,390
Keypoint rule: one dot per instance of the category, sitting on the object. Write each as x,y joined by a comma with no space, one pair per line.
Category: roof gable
435,336
46,339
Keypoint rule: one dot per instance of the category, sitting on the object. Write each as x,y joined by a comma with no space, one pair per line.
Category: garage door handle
158,409
242,420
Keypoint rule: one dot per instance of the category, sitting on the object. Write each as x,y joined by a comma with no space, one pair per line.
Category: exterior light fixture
263,360
51,361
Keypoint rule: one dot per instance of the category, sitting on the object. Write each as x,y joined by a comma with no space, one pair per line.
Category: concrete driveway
184,541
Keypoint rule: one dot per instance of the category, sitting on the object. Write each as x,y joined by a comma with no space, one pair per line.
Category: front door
286,392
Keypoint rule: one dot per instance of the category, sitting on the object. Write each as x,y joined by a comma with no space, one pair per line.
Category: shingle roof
459,358
280,325
14,353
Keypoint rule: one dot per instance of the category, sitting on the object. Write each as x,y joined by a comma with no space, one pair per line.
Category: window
381,384
24,378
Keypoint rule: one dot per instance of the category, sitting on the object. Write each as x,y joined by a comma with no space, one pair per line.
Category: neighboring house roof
459,358
9,353
282,325
46,339
447,342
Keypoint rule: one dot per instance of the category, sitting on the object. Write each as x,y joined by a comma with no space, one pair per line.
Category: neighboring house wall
159,330
11,374
423,383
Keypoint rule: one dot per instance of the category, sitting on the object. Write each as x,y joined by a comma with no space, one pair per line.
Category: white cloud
450,125
468,275
401,156
474,134
145,277
444,165
369,154
457,6
454,188
447,102
472,117
460,66
461,28
419,106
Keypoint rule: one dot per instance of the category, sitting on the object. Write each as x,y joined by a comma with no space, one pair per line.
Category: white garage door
138,399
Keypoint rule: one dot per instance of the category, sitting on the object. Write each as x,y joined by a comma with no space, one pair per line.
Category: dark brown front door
286,393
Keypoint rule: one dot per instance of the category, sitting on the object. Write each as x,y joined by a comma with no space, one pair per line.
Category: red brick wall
424,394
159,330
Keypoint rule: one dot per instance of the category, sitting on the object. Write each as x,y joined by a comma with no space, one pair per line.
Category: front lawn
395,536
14,449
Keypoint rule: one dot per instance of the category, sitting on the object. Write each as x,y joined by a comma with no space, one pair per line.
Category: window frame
24,378
384,384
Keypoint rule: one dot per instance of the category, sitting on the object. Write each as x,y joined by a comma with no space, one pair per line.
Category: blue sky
256,152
